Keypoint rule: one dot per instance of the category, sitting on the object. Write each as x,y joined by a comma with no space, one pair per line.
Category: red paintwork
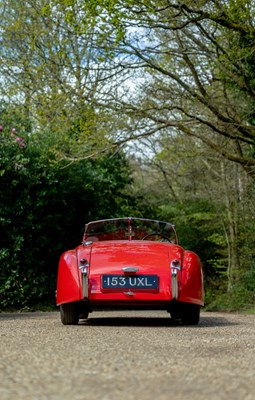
110,256
69,277
192,288
69,282
105,255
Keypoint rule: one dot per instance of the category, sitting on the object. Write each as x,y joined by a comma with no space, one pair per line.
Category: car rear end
124,274
134,268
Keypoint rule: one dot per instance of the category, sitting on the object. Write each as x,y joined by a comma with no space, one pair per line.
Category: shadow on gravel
151,322
145,319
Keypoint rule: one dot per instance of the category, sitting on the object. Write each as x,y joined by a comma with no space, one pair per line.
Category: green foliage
61,65
200,231
240,297
196,224
43,208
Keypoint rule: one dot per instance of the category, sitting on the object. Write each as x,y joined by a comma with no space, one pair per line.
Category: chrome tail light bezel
175,266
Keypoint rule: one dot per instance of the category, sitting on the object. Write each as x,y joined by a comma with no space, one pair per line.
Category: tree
51,70
178,76
44,206
198,80
198,59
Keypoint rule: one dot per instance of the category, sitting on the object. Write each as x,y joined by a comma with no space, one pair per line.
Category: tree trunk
232,203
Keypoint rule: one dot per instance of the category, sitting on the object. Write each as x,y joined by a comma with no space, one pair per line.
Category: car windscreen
129,229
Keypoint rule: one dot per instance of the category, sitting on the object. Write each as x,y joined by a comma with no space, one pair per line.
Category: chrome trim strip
84,280
129,293
87,243
174,283
130,269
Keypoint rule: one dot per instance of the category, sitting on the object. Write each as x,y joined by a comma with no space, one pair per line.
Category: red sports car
130,264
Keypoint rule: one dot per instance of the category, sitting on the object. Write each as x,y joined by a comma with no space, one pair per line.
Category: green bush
44,206
240,297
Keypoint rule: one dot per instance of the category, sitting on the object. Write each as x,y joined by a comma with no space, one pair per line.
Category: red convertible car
129,264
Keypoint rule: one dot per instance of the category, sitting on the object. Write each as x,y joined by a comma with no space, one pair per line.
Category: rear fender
192,289
69,279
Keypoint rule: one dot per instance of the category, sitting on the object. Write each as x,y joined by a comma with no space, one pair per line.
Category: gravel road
127,356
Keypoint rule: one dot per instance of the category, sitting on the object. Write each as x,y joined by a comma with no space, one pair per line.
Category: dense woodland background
127,108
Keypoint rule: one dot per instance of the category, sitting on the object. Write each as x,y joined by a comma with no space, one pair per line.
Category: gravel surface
127,355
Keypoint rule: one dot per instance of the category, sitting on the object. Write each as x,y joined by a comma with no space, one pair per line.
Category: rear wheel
190,314
174,315
84,315
69,313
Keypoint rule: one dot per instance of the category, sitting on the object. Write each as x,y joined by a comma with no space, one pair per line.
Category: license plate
130,282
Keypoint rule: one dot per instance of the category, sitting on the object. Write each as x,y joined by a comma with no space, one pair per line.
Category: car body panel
111,258
130,261
69,285
192,288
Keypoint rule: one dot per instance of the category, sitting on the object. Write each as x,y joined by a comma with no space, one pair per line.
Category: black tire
190,314
174,315
69,313
84,315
